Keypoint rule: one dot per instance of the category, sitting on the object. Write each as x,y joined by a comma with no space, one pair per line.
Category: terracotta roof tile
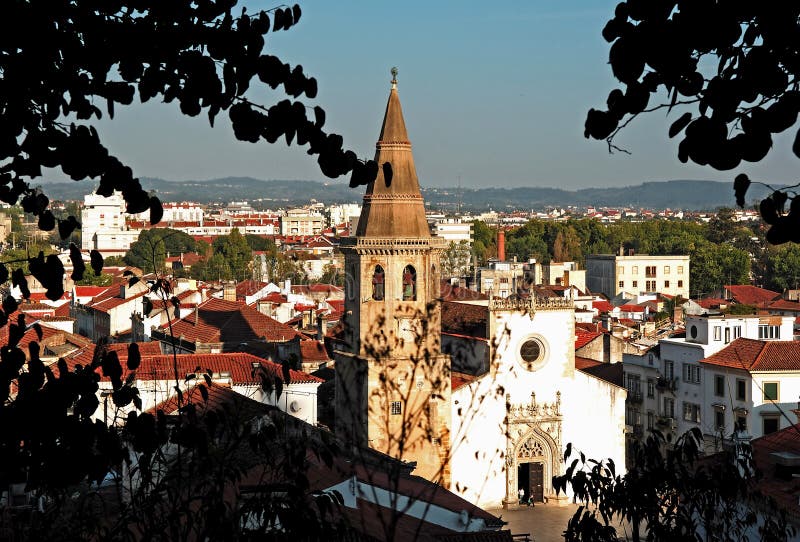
755,355
464,319
313,351
229,322
450,292
785,305
751,295
582,338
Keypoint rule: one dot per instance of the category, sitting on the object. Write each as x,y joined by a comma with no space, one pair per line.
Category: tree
236,252
456,259
671,496
153,245
258,243
783,267
714,266
731,65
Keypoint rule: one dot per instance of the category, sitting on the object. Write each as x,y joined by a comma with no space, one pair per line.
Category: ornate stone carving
532,304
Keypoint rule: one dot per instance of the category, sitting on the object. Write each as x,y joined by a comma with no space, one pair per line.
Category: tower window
378,281
409,283
396,408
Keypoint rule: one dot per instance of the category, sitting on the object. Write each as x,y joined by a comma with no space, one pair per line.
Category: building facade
636,274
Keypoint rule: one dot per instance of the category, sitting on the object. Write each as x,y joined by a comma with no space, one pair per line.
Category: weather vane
394,74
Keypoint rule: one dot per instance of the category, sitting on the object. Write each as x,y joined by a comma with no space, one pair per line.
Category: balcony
670,384
635,396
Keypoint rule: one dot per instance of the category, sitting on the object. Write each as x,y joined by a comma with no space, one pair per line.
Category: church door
536,477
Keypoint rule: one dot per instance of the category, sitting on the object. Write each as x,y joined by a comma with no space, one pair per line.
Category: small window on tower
378,282
409,283
396,408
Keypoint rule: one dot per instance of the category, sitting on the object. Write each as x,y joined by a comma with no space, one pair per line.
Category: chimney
501,245
565,280
229,291
621,250
320,328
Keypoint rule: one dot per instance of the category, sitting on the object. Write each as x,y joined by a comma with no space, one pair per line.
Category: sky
494,94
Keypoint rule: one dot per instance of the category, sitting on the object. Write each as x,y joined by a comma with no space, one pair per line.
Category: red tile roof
631,308
249,287
465,319
785,492
785,305
754,355
450,292
602,306
239,365
713,302
582,338
751,295
220,321
313,351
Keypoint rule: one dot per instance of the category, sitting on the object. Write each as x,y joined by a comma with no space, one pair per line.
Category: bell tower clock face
532,352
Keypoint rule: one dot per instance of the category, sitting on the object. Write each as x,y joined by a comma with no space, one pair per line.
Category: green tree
258,243
456,258
151,248
483,241
236,252
714,266
783,267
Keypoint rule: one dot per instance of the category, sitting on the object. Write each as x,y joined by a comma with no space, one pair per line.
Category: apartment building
635,274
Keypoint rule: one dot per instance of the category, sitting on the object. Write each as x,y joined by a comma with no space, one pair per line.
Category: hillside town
379,319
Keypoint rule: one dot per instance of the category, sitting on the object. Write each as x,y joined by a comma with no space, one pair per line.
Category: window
770,391
691,412
650,419
651,387
666,270
378,283
634,385
769,332
727,335
666,284
620,270
396,408
669,369
719,385
635,283
669,407
737,332
691,373
650,286
633,416
650,271
503,280
680,270
770,424
717,333
719,419
409,283
741,390
680,284
741,422
622,284
635,269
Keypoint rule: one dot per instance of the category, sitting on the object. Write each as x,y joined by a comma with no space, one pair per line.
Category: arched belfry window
409,283
378,282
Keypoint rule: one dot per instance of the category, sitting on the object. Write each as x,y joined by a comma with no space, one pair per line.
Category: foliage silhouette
671,495
734,64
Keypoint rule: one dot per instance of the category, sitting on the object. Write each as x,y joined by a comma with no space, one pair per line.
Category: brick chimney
501,245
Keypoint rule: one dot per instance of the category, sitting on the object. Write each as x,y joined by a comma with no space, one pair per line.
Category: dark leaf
134,358
740,185
96,260
680,124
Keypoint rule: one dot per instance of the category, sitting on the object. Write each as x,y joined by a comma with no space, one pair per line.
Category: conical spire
393,206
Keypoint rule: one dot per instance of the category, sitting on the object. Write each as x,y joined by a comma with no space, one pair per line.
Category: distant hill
677,194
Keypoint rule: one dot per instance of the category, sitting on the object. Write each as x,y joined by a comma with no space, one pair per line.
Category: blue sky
493,93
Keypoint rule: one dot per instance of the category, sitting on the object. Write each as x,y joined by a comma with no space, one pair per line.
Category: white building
343,213
453,229
687,396
613,275
302,222
512,421
103,225
184,211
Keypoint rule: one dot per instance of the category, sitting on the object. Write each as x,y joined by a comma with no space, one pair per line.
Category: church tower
392,382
